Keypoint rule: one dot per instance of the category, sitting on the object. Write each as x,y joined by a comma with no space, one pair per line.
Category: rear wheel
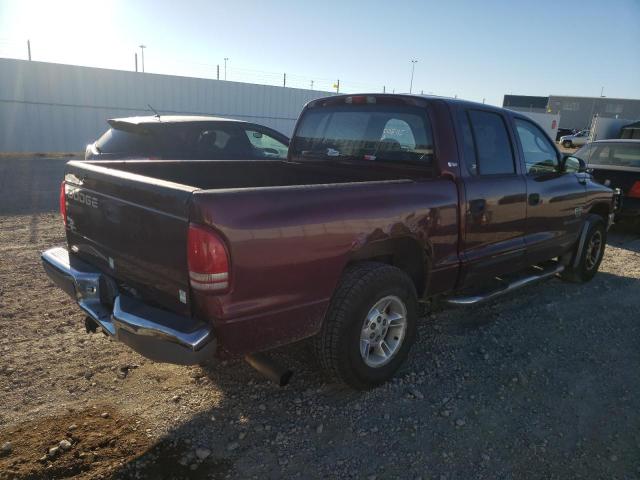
591,256
370,325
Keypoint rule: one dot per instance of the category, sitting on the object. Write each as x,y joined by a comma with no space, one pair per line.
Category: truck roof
450,100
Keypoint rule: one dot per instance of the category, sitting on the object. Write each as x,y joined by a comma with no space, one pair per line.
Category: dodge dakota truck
383,202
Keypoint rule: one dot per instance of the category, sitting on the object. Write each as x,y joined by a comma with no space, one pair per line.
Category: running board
515,285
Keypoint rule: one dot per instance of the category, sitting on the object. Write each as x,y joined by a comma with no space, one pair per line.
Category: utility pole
311,84
337,86
142,47
483,100
29,49
225,67
601,90
413,67
284,80
136,59
384,89
218,72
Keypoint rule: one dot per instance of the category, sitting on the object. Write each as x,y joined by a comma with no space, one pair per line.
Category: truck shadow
543,299
243,431
256,427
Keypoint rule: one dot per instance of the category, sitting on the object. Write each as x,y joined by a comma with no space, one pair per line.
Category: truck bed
220,174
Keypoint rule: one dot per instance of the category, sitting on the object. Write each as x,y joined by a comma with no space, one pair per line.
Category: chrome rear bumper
154,333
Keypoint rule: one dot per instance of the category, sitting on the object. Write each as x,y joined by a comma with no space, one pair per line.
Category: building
48,107
576,112
631,131
526,103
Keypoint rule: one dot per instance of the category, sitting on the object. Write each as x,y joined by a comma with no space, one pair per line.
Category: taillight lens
208,260
63,203
635,190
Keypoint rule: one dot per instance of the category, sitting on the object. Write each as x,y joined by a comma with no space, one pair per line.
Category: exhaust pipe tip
285,377
269,368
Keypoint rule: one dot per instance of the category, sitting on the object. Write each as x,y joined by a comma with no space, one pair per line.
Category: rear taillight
63,203
634,192
208,260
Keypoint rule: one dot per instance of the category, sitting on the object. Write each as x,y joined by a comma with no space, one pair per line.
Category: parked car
186,137
575,140
383,201
563,132
616,164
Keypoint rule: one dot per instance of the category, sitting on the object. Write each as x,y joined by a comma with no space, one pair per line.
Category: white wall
548,121
46,107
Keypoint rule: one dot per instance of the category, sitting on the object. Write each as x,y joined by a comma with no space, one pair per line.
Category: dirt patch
98,443
81,444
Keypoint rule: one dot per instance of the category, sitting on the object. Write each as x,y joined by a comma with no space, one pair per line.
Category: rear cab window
392,134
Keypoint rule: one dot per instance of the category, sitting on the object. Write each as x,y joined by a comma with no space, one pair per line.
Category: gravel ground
543,383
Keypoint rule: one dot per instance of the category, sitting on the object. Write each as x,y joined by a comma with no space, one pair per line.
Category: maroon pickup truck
383,202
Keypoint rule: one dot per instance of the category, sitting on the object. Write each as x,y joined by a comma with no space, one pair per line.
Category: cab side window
494,154
540,156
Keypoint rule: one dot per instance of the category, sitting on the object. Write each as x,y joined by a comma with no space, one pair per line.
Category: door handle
534,199
477,207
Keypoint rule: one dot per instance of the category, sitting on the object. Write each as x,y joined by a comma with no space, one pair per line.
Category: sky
471,49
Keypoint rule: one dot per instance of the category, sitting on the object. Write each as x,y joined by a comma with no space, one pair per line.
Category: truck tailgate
133,228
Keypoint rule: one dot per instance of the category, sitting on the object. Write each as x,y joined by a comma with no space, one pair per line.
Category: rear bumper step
463,301
154,333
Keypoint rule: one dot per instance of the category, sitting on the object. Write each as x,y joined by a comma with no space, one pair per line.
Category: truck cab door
494,209
555,199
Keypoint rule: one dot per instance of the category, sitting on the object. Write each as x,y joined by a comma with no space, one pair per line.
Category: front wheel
591,256
370,325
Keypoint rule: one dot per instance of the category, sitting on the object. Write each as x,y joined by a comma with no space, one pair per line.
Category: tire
590,260
340,347
567,144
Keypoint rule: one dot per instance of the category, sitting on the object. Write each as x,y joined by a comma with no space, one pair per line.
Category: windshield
365,132
615,155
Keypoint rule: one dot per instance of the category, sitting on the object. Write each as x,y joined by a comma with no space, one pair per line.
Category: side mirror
572,164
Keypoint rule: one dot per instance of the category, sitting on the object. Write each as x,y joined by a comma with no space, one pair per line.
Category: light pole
142,47
225,67
413,67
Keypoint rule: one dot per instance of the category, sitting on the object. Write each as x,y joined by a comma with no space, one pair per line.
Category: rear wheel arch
405,253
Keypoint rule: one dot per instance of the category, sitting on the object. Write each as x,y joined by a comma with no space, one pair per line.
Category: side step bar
519,283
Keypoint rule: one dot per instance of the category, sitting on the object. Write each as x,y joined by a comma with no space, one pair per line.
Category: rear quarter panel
289,246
